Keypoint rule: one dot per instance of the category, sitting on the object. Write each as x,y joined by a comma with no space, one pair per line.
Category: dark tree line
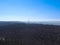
30,34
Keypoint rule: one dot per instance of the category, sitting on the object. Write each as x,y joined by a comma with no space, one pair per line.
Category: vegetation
29,34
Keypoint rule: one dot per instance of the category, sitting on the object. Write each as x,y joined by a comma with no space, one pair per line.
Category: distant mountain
47,22
2,23
18,33
51,22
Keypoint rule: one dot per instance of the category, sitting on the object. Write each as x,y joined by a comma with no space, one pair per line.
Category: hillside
30,34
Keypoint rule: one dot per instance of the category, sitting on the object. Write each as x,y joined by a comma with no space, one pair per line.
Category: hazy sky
33,10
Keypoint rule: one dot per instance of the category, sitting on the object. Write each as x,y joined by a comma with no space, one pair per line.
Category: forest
29,34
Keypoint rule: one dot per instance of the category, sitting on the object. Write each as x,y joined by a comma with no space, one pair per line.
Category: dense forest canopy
30,34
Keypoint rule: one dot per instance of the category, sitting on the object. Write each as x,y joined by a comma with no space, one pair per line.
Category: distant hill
2,23
18,33
51,22
47,22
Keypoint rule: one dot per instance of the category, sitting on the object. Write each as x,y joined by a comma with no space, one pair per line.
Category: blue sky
32,10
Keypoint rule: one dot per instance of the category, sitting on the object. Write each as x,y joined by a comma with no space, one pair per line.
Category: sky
30,10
